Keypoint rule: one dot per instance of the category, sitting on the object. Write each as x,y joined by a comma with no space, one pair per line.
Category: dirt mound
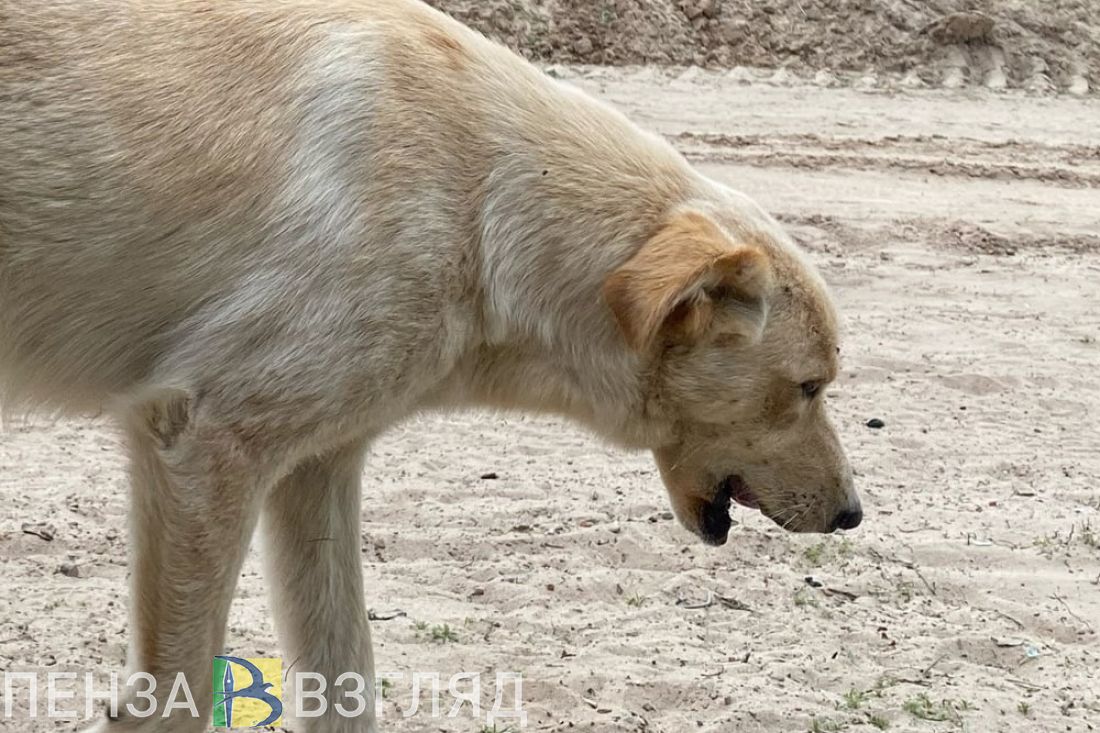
993,42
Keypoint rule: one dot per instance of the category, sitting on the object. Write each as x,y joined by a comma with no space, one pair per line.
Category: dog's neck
553,228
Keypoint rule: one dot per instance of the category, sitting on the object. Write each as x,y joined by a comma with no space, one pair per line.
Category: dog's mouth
740,493
715,523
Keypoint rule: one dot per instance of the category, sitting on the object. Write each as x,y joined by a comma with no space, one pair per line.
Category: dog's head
739,343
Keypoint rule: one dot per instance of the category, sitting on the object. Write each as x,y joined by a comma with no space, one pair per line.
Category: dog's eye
810,389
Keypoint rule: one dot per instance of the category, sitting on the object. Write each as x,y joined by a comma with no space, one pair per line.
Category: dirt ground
960,232
1054,44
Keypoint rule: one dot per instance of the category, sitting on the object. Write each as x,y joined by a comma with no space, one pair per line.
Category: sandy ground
960,233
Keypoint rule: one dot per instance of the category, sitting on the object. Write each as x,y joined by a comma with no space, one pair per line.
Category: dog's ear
671,288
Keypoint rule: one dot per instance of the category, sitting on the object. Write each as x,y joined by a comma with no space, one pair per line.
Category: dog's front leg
312,543
196,493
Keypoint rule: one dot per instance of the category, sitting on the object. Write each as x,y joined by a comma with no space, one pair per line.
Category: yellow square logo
248,693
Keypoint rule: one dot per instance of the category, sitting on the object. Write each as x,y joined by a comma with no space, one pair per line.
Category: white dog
261,231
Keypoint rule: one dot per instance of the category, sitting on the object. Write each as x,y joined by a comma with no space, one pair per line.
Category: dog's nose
848,519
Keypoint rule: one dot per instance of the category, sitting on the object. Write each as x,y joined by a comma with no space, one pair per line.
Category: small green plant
854,699
828,551
384,687
826,725
635,601
1083,534
882,684
815,554
1024,708
1046,543
879,722
924,708
440,633
444,634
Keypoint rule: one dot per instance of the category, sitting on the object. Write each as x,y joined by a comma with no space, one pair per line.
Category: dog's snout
847,519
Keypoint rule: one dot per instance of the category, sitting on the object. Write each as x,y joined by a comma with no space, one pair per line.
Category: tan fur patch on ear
690,319
664,286
747,271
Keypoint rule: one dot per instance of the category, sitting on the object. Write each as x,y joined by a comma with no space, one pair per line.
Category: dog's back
165,165
113,171
183,177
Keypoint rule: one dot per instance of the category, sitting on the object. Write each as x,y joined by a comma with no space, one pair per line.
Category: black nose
848,519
